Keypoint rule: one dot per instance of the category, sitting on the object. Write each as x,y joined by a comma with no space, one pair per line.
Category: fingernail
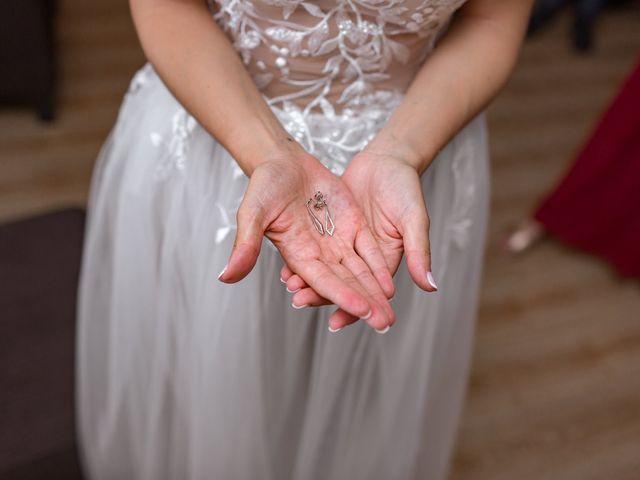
222,272
431,281
368,315
384,330
334,330
298,307
283,281
292,291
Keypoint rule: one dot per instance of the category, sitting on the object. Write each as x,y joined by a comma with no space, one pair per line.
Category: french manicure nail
222,272
292,291
368,315
282,280
384,330
334,330
431,281
298,307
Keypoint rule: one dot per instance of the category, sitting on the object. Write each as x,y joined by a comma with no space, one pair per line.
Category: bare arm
199,65
465,71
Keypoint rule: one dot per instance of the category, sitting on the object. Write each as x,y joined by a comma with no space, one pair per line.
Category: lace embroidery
355,42
140,79
354,38
174,145
464,196
335,139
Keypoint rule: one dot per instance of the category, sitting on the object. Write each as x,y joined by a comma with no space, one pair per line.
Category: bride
301,141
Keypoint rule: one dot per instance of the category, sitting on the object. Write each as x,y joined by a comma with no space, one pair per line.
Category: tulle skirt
182,377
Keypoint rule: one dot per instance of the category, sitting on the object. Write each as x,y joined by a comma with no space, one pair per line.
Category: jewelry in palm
318,202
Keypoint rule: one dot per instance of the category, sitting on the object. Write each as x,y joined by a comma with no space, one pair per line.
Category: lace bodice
331,55
332,72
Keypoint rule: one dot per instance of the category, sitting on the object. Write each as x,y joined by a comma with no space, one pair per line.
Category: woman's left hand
389,192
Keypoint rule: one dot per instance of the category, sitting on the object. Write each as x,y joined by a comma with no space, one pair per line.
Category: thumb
417,249
246,247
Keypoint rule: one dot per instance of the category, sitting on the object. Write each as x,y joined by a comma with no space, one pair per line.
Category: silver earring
318,202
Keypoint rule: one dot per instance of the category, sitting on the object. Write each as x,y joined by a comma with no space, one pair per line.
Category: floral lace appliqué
174,144
355,40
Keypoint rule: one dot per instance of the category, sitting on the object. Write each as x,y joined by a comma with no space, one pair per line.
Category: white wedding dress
182,377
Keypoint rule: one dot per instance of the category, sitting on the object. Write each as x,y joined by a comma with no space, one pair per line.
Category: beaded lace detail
333,54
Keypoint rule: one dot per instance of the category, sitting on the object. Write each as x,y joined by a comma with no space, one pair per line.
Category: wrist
255,144
388,145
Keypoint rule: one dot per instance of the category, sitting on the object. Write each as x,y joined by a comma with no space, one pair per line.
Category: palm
387,194
294,235
275,204
390,195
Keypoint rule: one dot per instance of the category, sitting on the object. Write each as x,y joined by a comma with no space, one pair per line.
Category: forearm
466,70
199,65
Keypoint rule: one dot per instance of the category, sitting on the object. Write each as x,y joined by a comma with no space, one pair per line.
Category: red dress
596,206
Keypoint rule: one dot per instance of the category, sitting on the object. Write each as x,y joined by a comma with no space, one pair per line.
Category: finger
330,286
383,315
246,247
340,319
368,249
295,283
308,297
415,234
285,273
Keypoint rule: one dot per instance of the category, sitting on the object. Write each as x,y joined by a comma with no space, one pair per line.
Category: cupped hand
389,191
347,268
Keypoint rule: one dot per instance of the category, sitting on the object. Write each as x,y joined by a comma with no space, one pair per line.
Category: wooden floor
555,390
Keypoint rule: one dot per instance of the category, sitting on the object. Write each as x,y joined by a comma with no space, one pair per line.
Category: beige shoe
523,237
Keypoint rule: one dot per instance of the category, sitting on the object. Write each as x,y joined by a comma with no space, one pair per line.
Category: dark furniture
39,264
27,54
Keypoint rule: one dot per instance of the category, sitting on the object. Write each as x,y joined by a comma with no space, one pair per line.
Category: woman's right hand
347,268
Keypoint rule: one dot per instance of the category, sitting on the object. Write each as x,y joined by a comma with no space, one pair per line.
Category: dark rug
39,264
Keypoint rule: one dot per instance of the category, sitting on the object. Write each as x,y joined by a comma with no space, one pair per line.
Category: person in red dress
595,207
